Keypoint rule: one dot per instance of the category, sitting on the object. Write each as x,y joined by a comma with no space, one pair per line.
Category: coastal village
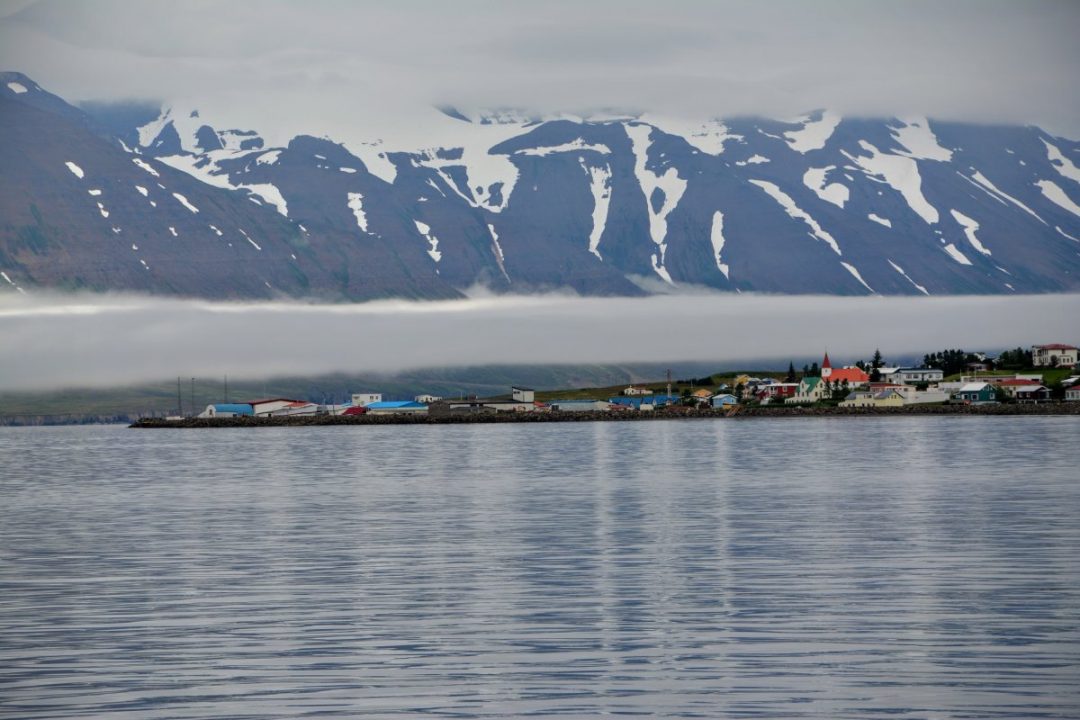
980,381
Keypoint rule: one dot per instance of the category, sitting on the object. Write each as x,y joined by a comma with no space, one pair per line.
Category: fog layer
58,341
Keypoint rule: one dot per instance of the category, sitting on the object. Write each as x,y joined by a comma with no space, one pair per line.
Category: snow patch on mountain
102,210
433,242
1061,163
268,158
601,192
880,220
814,133
572,146
17,88
752,160
1056,195
670,184
855,273
496,248
707,136
248,238
270,194
1065,234
204,169
798,213
184,201
75,169
718,241
146,166
835,193
920,141
356,204
970,226
982,180
900,173
907,277
956,254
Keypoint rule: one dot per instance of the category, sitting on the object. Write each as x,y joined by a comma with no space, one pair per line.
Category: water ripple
832,568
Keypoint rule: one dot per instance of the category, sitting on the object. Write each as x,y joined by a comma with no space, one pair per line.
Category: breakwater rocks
766,411
1043,408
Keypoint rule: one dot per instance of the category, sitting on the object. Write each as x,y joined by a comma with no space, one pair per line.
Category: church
813,389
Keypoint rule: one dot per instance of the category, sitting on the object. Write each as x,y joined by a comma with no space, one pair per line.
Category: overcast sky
65,340
991,60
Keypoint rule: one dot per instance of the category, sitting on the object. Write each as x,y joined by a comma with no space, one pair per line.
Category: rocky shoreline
765,411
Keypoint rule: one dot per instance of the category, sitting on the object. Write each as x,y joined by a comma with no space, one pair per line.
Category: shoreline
765,411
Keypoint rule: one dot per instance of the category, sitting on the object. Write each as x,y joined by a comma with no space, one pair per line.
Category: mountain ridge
520,203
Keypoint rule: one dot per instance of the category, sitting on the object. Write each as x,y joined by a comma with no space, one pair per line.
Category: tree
790,373
877,361
814,371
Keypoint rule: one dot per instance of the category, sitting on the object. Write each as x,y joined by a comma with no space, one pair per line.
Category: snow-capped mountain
614,204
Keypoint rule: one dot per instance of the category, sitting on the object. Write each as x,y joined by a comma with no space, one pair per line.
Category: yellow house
740,380
866,398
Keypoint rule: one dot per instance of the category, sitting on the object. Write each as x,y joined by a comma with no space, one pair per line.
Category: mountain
116,197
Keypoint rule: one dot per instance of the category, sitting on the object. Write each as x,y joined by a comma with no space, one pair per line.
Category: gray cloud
989,60
79,340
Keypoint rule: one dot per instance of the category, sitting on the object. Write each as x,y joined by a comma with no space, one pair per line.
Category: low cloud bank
50,341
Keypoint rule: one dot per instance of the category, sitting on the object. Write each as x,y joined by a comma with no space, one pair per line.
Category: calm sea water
829,568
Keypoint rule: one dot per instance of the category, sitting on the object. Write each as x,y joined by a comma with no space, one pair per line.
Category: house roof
235,408
1055,346
849,374
270,400
394,404
1031,388
975,387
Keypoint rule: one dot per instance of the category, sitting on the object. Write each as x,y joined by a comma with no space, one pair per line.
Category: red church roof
825,363
851,375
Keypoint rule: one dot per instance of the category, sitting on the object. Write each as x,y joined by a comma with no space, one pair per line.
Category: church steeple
826,367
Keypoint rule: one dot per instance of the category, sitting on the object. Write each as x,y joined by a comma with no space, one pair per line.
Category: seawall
766,411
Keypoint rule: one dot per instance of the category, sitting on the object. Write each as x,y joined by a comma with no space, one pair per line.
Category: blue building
636,402
226,410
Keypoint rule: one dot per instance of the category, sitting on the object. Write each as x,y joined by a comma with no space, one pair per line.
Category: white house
1072,393
524,395
1054,354
299,408
365,399
267,407
635,390
426,399
913,376
723,400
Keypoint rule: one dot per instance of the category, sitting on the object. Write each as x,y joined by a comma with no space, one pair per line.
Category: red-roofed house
1054,354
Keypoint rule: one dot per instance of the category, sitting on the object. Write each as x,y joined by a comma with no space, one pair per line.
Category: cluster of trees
1017,359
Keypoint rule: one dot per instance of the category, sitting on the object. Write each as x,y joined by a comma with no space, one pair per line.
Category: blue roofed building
396,407
651,401
226,410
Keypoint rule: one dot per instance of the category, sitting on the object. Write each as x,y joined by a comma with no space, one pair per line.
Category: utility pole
669,384
179,401
193,396
226,388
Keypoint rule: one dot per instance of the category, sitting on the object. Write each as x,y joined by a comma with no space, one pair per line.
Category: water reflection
809,568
